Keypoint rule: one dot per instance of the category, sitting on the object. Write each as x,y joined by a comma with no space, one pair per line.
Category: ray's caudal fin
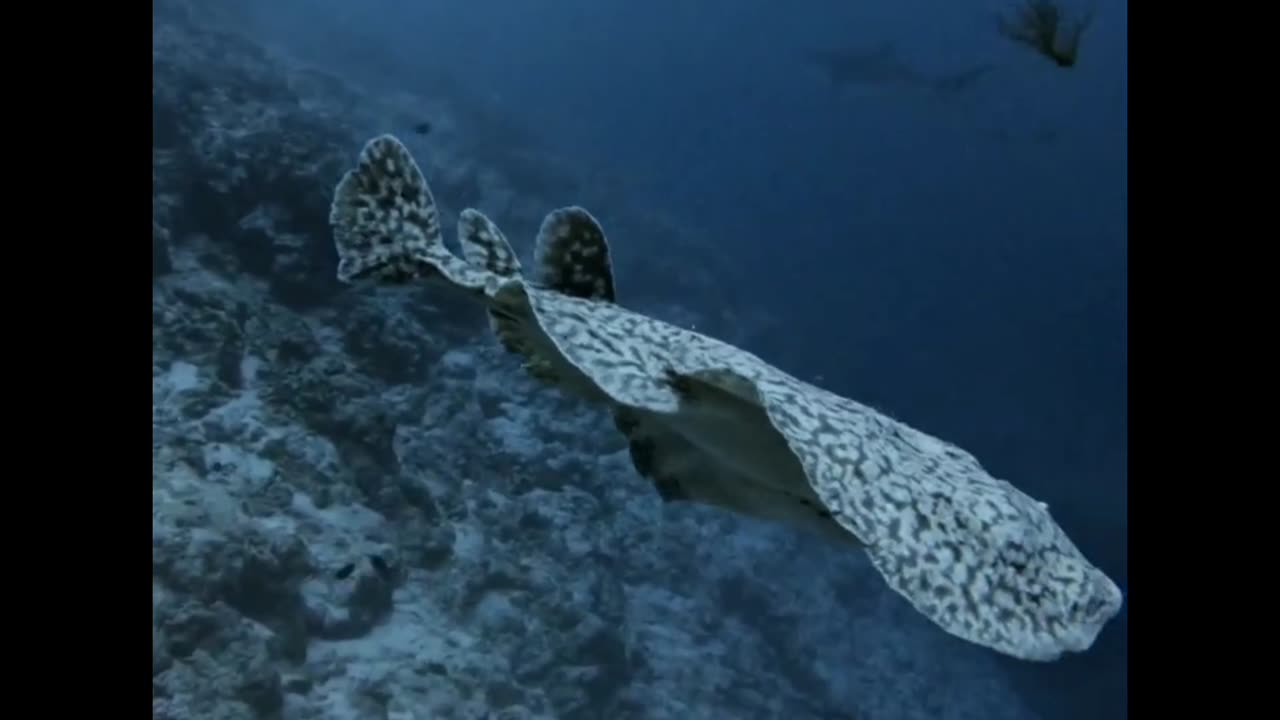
386,228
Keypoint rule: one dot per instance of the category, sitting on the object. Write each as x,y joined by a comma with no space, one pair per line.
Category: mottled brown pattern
970,551
981,559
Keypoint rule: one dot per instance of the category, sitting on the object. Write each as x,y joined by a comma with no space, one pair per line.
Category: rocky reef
361,508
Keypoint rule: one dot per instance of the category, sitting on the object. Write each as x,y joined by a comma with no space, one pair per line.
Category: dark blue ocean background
956,257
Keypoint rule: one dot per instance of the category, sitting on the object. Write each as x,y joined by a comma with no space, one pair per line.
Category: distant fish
345,571
882,67
423,128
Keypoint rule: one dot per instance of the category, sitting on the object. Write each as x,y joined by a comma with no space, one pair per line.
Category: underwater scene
604,360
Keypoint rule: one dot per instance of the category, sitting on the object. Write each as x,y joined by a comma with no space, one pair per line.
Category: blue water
957,260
